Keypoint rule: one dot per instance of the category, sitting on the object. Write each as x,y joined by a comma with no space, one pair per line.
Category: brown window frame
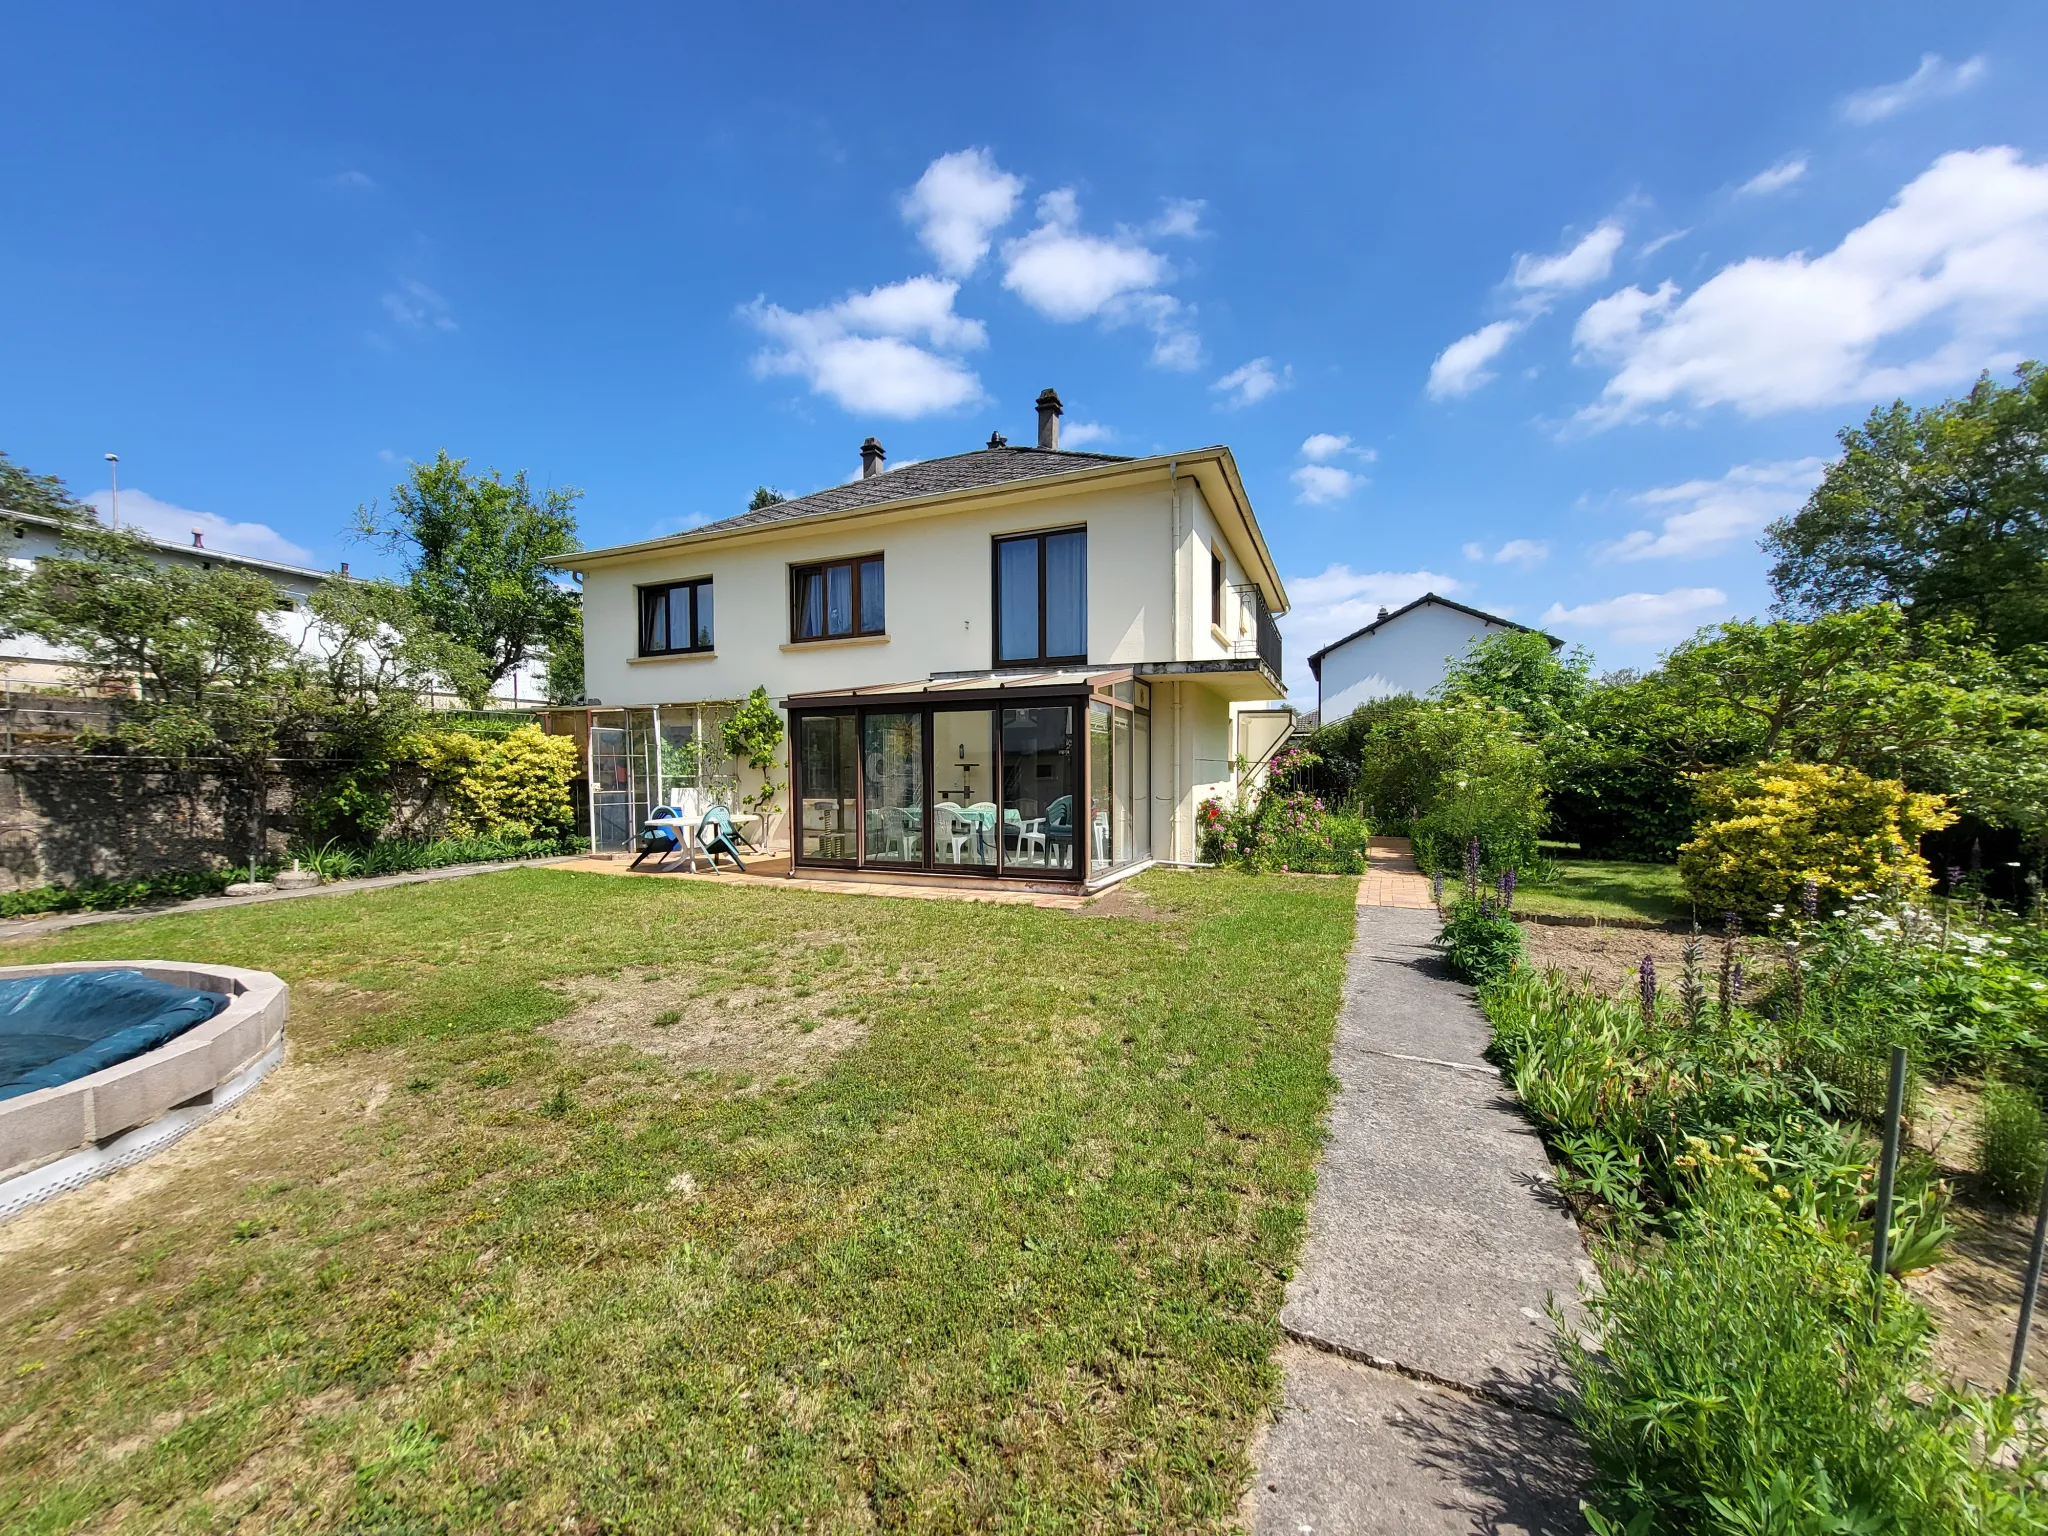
1216,585
1040,536
822,569
665,588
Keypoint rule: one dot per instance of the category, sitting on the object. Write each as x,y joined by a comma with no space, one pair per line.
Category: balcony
1261,636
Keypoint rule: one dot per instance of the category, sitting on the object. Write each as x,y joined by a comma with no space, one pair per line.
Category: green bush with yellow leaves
1768,828
520,785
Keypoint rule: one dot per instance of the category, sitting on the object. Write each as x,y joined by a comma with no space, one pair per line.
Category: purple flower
1809,897
1646,977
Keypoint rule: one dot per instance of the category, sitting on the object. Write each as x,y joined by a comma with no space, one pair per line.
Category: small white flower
1841,912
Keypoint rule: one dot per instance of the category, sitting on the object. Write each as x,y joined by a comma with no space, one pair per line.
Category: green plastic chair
715,835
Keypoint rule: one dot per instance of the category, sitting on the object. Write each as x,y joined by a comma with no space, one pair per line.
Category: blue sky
1545,307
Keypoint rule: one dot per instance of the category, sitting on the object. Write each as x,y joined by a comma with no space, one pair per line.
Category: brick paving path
1391,878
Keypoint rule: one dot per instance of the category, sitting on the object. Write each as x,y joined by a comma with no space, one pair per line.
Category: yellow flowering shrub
521,785
1770,827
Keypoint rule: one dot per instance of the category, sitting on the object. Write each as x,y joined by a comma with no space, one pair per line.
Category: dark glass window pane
892,751
1100,774
838,599
703,629
1040,772
826,769
1017,600
810,605
1066,594
653,620
871,598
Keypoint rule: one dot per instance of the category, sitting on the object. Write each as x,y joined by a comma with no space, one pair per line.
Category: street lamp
114,502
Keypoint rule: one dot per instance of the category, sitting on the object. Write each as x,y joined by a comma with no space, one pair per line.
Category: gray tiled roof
927,477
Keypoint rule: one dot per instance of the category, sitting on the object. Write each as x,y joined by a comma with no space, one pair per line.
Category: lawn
598,1204
1608,888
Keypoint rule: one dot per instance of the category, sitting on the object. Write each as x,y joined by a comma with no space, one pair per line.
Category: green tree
1526,673
1943,511
477,550
765,496
21,490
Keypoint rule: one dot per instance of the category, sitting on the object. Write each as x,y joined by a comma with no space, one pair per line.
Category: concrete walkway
1421,1394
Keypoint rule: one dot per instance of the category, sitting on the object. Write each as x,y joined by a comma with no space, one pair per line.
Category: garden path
1421,1392
1392,878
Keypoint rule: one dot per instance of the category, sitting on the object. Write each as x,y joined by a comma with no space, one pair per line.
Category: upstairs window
675,619
1216,585
1041,599
837,600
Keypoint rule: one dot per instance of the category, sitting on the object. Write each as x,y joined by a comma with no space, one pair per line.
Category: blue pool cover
61,1026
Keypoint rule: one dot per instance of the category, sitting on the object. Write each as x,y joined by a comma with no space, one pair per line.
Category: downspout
1173,564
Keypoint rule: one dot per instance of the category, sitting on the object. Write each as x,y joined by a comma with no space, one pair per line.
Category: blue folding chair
661,840
715,835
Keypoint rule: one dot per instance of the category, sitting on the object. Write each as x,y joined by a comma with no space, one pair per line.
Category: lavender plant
1646,986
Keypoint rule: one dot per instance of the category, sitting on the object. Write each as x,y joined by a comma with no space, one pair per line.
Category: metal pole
2028,1292
114,499
1887,1175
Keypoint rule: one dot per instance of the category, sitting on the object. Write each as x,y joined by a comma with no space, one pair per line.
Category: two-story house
1014,662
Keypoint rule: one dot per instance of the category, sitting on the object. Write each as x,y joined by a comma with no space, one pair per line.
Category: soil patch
1123,901
759,1032
1607,958
1974,1295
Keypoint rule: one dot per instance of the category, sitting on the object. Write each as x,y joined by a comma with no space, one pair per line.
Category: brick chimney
198,539
872,457
1049,409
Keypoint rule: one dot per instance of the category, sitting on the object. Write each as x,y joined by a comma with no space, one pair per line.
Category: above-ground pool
64,1025
103,1063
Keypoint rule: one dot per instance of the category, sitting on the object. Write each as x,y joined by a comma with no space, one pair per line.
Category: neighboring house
26,662
1014,662
1406,651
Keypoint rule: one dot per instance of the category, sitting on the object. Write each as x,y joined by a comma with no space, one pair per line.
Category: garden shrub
1480,941
2010,1155
1772,827
519,785
1284,830
112,895
1741,1386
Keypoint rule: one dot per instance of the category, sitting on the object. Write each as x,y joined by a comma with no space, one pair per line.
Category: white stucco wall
940,584
1407,654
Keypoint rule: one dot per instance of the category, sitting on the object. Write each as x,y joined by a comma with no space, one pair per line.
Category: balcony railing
1259,637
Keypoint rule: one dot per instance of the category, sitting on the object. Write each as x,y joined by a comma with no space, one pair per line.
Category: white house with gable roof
1406,651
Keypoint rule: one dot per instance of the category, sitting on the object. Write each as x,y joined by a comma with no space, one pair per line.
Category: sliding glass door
967,790
893,787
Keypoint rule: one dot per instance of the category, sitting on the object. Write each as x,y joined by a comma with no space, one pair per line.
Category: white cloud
1181,219
1339,600
1950,273
1461,367
1321,484
141,510
1251,383
1587,262
1321,447
959,202
416,305
1644,617
355,179
1775,179
1527,553
1934,79
1079,434
1652,247
1705,514
864,352
1069,275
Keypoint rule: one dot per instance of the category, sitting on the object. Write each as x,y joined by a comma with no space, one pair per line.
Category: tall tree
1943,511
22,490
765,496
476,549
